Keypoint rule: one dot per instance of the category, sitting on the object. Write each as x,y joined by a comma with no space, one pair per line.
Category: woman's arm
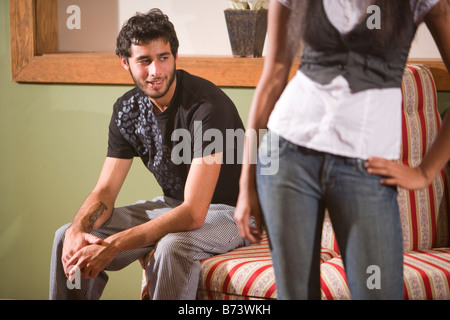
438,22
277,64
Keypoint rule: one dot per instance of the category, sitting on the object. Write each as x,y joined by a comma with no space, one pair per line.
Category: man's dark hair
143,28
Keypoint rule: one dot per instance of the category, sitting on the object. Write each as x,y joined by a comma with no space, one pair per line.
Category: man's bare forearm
95,215
92,214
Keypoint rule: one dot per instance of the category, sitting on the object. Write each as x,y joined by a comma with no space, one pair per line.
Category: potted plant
247,26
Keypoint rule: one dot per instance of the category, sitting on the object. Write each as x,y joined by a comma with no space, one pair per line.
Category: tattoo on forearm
95,215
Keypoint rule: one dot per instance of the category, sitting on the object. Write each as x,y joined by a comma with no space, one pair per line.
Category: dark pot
247,31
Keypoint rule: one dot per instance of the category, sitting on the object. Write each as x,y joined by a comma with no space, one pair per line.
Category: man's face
152,66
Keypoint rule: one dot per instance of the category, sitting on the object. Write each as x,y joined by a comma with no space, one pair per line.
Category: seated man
194,218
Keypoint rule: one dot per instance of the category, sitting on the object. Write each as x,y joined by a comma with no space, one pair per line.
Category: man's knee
179,249
60,233
173,245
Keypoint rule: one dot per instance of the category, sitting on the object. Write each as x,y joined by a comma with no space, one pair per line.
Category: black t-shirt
200,120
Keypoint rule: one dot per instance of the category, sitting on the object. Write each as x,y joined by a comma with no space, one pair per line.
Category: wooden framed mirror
34,56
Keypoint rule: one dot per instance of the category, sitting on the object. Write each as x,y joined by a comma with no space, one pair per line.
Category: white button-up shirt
333,119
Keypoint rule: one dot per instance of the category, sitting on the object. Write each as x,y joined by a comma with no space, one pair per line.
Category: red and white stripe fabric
425,214
427,274
244,273
247,273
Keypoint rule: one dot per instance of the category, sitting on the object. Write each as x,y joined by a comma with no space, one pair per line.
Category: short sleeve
286,3
118,147
210,123
420,9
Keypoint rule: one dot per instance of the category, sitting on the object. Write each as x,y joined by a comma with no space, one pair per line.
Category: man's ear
124,62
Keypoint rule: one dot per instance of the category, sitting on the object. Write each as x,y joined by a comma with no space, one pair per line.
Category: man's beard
155,94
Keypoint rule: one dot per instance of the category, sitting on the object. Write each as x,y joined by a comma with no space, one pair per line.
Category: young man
167,109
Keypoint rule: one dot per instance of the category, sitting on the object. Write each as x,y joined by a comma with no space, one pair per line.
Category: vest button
342,67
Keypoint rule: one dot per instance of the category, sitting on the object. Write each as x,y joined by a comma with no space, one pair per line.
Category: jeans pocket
271,148
360,165
375,179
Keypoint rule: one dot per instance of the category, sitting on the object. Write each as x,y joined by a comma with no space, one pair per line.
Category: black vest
356,55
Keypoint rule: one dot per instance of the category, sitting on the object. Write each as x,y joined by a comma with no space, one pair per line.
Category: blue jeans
363,212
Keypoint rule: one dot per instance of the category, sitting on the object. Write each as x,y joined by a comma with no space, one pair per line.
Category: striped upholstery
328,237
244,273
247,273
333,281
144,261
425,214
233,275
427,274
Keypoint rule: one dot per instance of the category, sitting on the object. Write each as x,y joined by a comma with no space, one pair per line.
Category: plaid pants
174,268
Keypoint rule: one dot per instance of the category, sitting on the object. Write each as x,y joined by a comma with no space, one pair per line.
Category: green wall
53,142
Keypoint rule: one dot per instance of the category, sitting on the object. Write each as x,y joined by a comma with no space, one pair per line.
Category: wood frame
31,38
